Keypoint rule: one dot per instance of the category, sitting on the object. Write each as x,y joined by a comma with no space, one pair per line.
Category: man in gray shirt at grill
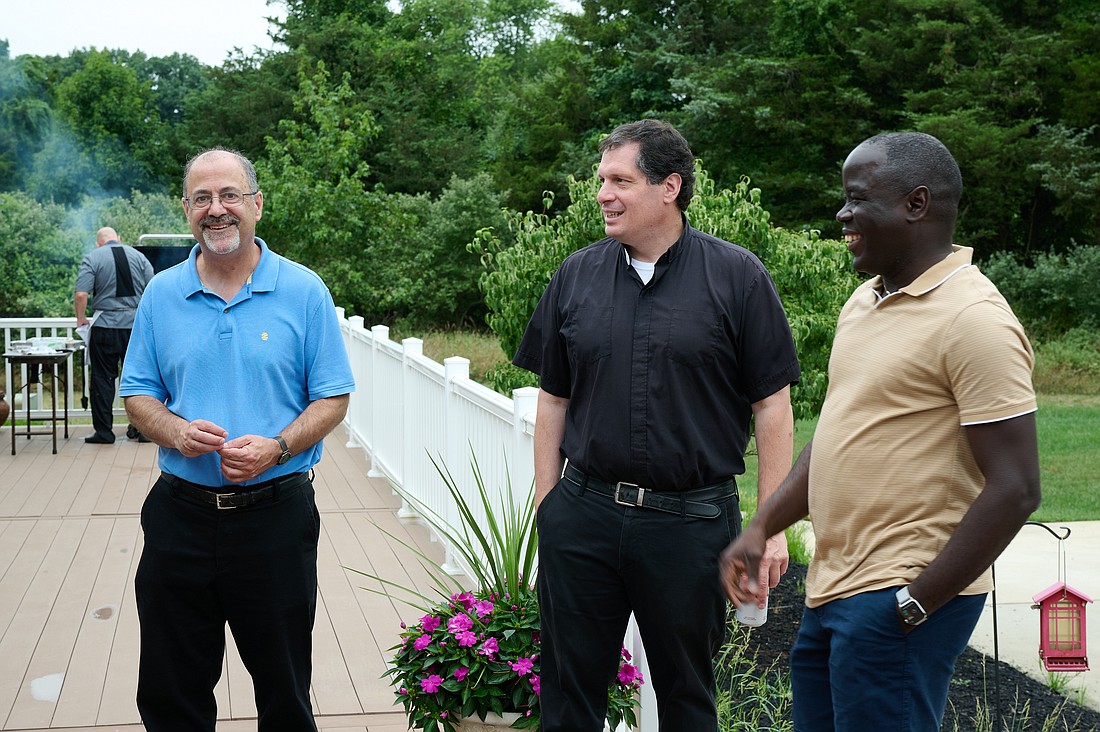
113,276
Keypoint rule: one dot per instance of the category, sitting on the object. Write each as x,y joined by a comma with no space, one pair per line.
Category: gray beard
222,246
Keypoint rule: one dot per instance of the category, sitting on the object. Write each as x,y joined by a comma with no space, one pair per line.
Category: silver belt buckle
621,502
218,501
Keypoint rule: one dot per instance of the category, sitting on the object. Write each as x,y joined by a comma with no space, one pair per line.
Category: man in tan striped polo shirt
924,464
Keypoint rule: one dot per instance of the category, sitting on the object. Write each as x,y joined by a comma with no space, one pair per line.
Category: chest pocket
693,337
588,334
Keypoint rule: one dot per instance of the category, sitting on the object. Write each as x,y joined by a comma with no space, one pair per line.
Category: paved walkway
1028,566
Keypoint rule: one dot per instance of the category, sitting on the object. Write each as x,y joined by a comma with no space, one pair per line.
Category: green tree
25,116
434,274
107,129
318,206
39,257
240,105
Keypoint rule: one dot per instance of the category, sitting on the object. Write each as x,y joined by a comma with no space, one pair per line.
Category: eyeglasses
229,198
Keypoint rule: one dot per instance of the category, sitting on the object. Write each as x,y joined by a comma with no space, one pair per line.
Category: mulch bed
973,683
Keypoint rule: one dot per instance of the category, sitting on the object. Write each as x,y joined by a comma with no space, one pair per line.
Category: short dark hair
246,164
662,151
918,159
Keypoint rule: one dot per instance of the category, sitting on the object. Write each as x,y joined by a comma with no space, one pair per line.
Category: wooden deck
69,544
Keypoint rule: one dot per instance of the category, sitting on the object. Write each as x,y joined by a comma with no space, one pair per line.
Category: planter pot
4,409
492,723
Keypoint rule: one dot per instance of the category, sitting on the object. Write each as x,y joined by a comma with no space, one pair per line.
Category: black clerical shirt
660,377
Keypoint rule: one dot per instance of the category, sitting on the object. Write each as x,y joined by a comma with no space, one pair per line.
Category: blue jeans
854,669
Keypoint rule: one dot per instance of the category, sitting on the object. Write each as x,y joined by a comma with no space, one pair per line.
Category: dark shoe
97,439
132,432
143,438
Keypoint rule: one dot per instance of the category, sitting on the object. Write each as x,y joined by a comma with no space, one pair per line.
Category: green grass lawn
1069,445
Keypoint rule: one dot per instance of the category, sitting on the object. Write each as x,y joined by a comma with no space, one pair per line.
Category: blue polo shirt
251,366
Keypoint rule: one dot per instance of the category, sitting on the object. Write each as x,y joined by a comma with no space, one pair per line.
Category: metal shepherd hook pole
996,644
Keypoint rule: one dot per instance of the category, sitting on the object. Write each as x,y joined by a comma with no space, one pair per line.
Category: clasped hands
242,458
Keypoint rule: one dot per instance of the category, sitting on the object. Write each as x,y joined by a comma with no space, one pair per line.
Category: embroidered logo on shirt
263,336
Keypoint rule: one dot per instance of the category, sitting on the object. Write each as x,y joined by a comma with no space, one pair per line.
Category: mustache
223,219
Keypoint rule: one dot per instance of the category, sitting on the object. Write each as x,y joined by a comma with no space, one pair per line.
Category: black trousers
598,562
107,349
254,568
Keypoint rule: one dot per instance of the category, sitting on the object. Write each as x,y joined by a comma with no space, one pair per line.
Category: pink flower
483,608
629,675
422,642
536,683
489,648
429,623
459,623
523,666
466,639
431,684
465,599
461,672
626,654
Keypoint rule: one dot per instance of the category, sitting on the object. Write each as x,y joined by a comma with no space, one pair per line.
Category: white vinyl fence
21,329
407,407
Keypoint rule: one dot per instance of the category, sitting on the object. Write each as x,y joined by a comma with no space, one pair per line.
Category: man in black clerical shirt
655,347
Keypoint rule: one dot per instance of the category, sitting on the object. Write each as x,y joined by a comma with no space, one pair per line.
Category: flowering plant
475,652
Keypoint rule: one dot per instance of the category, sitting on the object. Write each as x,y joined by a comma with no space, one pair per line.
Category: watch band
286,450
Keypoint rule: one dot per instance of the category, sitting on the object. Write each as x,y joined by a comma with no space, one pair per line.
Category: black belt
252,494
697,503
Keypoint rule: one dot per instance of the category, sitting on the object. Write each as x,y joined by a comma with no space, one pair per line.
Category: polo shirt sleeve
140,369
328,370
989,361
85,276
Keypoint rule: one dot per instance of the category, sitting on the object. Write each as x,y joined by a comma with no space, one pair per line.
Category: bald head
105,235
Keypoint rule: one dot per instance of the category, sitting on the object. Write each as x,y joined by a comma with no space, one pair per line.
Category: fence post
521,470
380,333
455,445
409,347
362,385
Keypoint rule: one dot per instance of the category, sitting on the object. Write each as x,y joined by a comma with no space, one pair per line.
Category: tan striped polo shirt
891,472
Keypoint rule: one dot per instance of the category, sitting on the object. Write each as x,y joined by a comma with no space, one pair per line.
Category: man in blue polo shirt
237,370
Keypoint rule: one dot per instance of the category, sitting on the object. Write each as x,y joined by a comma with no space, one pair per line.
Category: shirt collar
263,278
672,252
959,259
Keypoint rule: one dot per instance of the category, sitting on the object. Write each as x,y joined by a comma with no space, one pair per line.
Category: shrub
1056,293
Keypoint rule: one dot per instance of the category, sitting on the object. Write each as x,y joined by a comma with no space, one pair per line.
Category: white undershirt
644,269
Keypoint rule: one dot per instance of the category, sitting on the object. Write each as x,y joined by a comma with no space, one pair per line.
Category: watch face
912,613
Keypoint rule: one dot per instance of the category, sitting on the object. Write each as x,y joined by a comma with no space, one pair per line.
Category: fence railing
21,329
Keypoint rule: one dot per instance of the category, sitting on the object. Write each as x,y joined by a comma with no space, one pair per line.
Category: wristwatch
286,450
912,612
